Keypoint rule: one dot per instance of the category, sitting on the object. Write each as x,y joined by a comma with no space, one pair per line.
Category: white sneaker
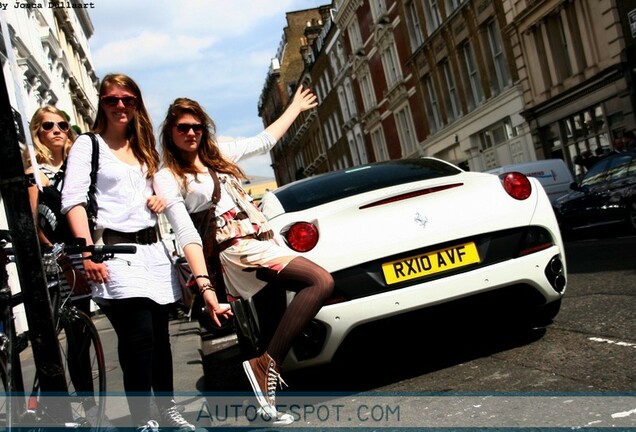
272,416
151,426
172,418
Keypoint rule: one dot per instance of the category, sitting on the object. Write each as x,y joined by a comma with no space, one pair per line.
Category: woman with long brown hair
135,293
201,173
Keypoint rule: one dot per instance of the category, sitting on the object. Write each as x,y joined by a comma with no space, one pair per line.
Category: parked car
553,174
605,196
402,235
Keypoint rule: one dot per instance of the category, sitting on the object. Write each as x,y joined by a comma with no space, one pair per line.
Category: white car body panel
364,229
350,236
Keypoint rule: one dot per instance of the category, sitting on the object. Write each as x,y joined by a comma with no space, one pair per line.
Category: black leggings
312,285
145,356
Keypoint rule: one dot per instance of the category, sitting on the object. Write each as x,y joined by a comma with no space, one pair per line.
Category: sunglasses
185,127
112,101
48,125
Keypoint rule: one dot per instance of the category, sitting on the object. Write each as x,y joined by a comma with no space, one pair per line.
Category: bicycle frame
51,409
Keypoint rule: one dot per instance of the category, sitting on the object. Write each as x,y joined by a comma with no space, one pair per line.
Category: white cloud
149,50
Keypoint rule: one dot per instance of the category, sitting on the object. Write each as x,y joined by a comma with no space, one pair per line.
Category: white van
553,174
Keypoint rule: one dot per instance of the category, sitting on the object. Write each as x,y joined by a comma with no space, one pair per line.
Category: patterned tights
312,285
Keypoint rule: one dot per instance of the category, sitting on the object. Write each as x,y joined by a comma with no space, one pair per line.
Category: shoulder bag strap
91,208
208,234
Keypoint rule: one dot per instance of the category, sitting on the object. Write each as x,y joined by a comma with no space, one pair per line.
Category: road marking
624,414
612,342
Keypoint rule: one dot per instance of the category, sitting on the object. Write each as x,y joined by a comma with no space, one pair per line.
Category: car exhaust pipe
554,273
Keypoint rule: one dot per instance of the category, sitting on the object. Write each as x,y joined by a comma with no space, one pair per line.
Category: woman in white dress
250,258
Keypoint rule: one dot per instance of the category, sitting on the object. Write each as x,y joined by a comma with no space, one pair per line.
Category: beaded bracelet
206,287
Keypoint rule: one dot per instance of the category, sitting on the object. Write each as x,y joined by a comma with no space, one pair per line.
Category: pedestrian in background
134,292
52,137
250,257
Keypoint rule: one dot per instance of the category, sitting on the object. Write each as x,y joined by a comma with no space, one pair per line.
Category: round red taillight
302,236
517,185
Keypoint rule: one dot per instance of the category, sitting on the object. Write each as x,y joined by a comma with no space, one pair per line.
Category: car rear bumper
341,318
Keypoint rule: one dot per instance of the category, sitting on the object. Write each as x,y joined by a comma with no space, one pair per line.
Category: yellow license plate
430,263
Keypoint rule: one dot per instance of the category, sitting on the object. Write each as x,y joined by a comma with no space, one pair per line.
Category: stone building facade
479,83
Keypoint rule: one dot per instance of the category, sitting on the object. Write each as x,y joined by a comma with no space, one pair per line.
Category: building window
432,105
452,96
432,15
497,134
378,9
379,145
391,65
354,36
560,50
413,24
344,106
362,151
350,98
451,5
498,57
475,95
406,131
368,96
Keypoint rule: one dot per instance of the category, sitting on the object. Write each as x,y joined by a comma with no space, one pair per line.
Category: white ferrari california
403,235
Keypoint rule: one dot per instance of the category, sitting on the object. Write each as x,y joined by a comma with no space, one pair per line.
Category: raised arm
303,100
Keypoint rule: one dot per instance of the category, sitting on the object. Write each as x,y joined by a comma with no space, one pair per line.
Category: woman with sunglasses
52,138
250,257
136,293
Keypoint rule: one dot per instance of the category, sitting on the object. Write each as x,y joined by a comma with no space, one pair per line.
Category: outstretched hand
215,309
304,99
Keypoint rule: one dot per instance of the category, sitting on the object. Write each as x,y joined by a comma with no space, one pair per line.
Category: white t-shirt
122,191
199,195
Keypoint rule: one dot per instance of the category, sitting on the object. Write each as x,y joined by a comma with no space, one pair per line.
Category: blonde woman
52,138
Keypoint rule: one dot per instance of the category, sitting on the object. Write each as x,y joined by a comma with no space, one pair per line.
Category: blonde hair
207,150
42,152
139,133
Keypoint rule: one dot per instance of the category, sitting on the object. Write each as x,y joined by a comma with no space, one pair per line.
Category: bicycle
80,346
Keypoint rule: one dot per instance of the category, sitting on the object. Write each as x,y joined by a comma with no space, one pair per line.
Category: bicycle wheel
84,366
4,401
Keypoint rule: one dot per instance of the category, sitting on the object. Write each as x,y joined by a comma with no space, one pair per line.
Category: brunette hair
208,149
139,133
42,152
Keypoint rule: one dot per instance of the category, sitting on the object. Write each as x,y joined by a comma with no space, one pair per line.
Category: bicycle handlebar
98,253
101,249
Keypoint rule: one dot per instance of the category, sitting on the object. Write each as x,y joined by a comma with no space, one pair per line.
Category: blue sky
216,52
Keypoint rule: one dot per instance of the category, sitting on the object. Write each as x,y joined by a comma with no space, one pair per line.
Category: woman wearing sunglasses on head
135,293
250,258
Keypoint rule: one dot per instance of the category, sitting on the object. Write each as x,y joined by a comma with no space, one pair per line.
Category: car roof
335,185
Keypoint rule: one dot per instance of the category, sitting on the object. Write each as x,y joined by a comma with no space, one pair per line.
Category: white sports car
403,235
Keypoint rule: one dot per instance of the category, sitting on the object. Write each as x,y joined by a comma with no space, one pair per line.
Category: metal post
13,188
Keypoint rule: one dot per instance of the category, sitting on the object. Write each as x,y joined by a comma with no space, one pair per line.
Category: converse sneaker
263,375
271,416
172,418
151,426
